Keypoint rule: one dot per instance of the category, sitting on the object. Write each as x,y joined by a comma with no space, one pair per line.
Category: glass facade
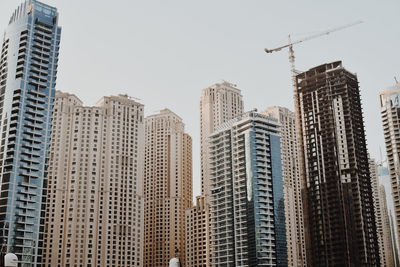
28,68
248,217
279,206
265,214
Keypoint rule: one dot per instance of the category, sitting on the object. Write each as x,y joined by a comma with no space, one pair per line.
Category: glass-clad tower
247,205
28,68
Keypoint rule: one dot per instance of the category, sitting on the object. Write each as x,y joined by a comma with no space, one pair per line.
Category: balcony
25,200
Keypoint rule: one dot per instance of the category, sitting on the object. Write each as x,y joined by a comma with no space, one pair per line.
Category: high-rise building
381,217
390,112
291,185
388,256
384,179
247,205
95,204
28,69
219,103
338,208
396,254
197,234
167,188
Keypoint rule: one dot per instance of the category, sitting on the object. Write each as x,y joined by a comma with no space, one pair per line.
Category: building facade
384,178
291,185
219,103
337,195
390,112
247,205
95,204
28,69
388,250
167,188
197,234
381,217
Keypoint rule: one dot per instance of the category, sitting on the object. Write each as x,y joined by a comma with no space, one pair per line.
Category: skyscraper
384,178
390,112
396,254
219,103
381,217
95,204
388,255
247,205
337,194
28,68
291,185
167,187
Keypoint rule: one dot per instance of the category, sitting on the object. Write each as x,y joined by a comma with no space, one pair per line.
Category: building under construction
336,190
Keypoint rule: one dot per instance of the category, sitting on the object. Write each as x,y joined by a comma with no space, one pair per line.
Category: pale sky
166,52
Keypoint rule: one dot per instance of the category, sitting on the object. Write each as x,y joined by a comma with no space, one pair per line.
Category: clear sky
166,52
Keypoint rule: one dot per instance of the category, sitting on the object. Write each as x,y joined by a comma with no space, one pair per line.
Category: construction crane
293,70
291,51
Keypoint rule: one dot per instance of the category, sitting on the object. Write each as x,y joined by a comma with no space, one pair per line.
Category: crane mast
292,63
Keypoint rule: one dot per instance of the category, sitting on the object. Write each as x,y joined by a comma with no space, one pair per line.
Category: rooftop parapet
246,115
28,6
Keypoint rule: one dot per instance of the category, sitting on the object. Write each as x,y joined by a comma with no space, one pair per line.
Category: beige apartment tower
291,185
219,103
95,184
197,237
167,188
